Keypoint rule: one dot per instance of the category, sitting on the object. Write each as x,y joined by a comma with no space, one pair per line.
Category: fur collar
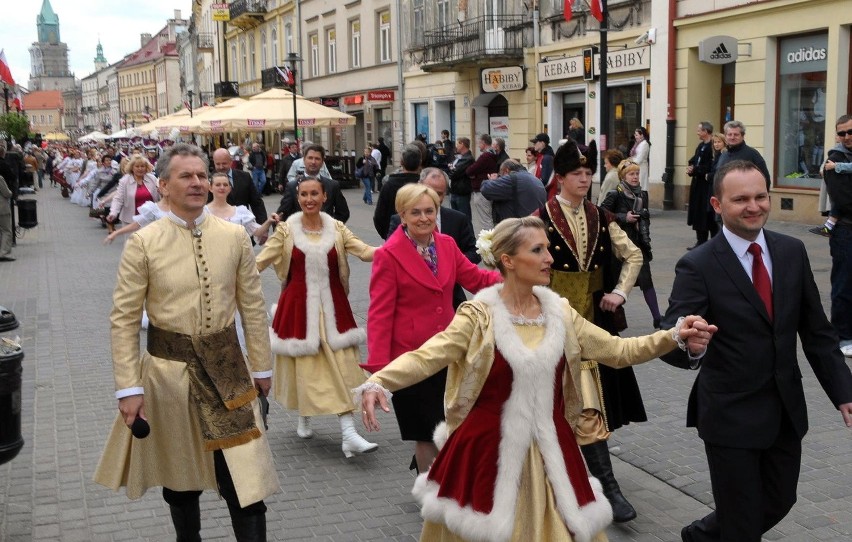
526,418
318,295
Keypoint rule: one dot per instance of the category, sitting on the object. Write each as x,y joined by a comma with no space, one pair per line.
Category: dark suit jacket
244,193
335,204
750,373
456,225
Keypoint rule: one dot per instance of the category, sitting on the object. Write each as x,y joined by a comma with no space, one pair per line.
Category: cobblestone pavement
60,289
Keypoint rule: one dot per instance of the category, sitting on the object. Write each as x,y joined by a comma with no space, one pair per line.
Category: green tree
13,125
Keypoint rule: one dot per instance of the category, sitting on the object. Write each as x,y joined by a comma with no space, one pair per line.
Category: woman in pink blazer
137,187
411,299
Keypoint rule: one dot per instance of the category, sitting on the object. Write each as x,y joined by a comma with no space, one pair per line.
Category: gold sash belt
218,382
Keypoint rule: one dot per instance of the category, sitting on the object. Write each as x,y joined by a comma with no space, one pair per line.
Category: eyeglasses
844,133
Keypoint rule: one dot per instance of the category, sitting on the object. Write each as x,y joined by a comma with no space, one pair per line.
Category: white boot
304,428
352,441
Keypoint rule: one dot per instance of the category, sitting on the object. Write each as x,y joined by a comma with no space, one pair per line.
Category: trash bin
11,440
7,319
27,215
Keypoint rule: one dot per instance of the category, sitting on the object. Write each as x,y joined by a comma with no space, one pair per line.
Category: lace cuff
694,359
358,393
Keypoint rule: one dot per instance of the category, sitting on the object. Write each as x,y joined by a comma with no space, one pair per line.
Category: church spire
48,24
100,60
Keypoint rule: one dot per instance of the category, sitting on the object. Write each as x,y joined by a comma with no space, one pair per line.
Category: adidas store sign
718,50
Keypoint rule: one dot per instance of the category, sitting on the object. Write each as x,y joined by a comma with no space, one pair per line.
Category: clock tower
49,56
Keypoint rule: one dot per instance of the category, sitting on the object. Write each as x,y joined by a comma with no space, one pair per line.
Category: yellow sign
221,12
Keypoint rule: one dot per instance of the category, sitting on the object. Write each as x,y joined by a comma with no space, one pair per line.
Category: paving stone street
60,288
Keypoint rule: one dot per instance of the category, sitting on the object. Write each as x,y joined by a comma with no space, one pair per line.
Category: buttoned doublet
191,283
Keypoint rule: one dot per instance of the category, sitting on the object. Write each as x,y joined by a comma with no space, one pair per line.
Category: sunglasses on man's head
844,133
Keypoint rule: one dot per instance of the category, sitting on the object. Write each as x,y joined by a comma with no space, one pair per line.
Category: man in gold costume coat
191,272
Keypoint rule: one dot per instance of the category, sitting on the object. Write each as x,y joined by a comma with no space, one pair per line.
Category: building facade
45,110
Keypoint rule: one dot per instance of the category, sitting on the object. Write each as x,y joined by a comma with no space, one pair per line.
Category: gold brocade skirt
319,384
536,515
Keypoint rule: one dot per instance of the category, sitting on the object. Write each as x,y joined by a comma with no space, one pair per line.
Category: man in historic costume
595,266
192,272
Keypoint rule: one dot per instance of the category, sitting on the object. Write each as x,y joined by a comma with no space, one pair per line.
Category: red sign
380,96
215,123
307,122
353,100
256,123
330,102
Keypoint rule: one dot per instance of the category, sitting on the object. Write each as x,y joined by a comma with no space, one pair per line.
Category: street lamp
293,59
6,95
189,94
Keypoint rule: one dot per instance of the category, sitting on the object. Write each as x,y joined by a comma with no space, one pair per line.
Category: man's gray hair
707,126
511,166
181,149
734,124
433,172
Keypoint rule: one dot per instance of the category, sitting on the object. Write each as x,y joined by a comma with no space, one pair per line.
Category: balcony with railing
485,41
246,14
226,90
204,41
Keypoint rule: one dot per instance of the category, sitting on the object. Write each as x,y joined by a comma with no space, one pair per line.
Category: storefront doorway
625,105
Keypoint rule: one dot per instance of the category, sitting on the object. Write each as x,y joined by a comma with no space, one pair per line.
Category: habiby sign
618,61
502,79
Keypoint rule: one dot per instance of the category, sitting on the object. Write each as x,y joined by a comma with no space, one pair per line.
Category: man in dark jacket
544,159
700,215
383,163
839,187
287,161
513,192
257,161
460,188
738,150
386,206
243,191
498,146
485,165
335,204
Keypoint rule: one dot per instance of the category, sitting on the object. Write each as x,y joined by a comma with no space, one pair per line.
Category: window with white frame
418,19
264,56
384,36
314,40
331,41
442,12
288,38
234,75
274,46
355,32
243,61
252,58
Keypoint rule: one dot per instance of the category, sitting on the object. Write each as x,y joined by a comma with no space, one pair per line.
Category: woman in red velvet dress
313,333
510,467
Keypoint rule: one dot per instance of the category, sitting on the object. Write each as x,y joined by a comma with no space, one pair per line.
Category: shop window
625,105
421,120
800,137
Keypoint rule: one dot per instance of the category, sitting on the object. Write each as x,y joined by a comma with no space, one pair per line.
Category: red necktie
760,277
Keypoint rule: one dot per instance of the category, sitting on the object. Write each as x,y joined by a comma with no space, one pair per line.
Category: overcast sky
118,24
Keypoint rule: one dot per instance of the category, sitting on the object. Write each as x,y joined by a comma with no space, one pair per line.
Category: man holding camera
313,165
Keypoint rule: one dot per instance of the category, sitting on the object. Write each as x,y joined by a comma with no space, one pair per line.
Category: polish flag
287,75
597,9
566,8
5,72
19,101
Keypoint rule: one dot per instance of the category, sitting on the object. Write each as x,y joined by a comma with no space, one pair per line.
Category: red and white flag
5,72
19,101
287,76
566,8
597,9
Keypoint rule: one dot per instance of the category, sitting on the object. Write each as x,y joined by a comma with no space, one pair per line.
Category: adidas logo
720,52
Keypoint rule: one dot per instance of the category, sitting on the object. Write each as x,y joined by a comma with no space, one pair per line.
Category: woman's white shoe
304,428
353,443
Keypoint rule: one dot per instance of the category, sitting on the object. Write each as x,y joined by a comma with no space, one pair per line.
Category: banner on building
503,79
221,12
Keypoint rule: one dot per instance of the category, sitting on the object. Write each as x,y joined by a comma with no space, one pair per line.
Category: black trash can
11,440
27,215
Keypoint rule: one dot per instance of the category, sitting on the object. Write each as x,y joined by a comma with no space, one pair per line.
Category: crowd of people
498,455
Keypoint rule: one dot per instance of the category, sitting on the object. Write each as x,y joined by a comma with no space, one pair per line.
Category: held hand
846,412
263,385
368,409
829,165
632,217
109,238
110,219
611,301
697,333
131,407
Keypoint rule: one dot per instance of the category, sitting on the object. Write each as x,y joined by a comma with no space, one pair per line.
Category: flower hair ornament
483,248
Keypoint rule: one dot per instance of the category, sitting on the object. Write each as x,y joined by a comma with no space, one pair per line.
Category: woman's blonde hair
410,194
721,137
627,166
133,160
506,237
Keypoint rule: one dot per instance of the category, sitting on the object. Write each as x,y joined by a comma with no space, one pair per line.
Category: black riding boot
248,527
187,521
600,466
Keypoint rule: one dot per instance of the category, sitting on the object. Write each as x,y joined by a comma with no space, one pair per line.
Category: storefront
785,75
566,94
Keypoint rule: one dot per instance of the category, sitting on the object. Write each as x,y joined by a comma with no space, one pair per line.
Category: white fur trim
440,435
526,417
318,295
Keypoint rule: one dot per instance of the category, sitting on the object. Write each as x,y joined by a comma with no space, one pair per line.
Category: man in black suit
747,401
335,204
243,191
450,222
